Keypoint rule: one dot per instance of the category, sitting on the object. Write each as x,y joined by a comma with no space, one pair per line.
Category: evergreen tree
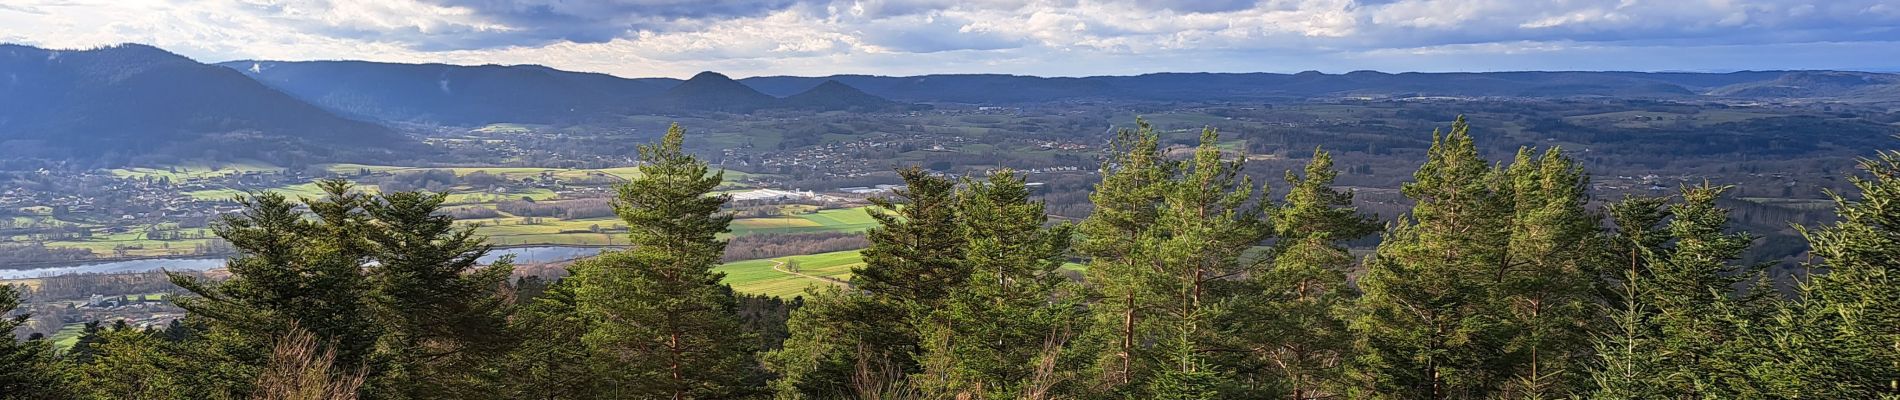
1630,362
1853,311
550,363
288,271
1550,279
1118,237
1696,297
1293,325
29,369
443,315
663,324
1210,215
915,248
1003,334
1428,325
867,339
130,363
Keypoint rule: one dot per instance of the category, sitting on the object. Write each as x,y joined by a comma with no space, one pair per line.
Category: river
533,255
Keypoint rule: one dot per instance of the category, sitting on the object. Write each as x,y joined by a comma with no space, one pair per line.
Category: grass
67,336
759,276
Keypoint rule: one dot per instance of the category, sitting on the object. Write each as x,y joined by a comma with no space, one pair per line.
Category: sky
677,38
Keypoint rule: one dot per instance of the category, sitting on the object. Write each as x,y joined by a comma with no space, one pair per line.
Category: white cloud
1050,37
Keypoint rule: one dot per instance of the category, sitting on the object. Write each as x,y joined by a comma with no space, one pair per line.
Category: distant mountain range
135,98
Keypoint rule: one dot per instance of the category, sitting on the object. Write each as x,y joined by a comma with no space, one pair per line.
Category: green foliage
1428,325
131,364
550,362
443,316
1115,238
662,326
1292,321
1850,321
28,369
914,251
1004,332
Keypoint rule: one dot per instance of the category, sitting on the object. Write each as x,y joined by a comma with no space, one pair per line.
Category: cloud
1050,37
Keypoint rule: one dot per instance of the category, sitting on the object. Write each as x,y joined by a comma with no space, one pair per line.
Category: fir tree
1856,304
288,271
663,324
915,248
868,338
442,313
550,362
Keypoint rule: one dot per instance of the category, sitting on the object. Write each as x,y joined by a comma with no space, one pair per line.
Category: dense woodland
1502,281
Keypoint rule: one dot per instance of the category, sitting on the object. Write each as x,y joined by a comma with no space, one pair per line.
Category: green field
760,277
833,220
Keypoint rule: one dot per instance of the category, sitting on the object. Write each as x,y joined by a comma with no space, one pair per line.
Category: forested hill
453,94
135,99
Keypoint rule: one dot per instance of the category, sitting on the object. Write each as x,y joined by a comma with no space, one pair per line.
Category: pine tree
1117,237
1549,279
1002,334
1293,325
29,369
1210,215
868,339
442,313
664,326
1427,324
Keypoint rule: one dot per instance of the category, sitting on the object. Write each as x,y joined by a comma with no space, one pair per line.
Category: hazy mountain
710,91
834,96
136,99
1817,84
454,94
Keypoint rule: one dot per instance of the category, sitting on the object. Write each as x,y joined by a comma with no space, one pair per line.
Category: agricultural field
790,276
833,220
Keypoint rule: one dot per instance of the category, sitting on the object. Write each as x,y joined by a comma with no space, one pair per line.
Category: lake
538,254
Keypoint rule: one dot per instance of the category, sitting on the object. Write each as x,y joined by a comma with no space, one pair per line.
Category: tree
28,369
1549,279
551,362
1292,321
664,326
130,363
1427,325
867,339
1116,239
1209,214
1700,311
1854,309
443,315
1630,362
288,271
1004,332
915,248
